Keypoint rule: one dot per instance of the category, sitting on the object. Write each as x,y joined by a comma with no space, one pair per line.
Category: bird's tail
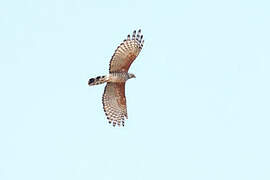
97,80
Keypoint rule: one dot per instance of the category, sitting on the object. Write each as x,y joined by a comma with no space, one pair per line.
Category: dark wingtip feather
134,34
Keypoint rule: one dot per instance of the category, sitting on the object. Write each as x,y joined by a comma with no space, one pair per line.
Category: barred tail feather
97,80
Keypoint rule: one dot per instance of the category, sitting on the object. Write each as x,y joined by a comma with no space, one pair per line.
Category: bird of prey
114,99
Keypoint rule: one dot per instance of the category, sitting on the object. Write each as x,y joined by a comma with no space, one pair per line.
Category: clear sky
199,108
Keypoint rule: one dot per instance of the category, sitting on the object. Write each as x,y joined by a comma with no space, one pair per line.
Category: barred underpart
118,77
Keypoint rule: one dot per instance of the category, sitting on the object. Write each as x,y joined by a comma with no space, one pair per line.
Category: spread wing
114,103
126,53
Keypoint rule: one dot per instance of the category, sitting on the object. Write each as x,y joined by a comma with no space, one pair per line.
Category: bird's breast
118,77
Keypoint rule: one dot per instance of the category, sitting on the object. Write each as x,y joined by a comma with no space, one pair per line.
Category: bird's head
130,75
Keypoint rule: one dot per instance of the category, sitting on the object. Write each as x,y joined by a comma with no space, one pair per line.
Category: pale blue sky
199,108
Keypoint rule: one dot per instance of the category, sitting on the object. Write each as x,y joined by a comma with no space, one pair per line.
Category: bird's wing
114,103
126,53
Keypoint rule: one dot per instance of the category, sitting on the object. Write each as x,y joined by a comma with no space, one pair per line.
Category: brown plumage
114,99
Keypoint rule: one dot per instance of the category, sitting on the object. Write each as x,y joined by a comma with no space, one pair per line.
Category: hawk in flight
114,99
